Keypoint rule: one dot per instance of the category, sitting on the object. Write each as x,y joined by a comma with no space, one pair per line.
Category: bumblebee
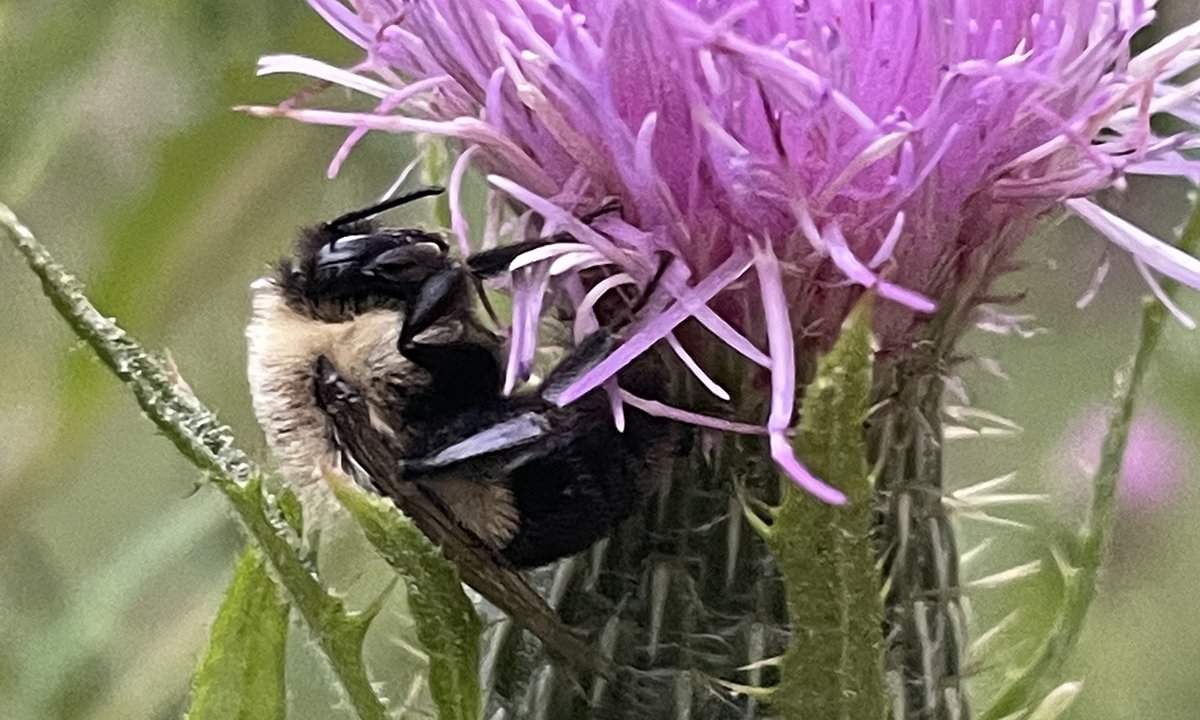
367,354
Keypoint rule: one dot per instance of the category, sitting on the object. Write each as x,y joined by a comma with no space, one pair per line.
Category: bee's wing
511,434
481,568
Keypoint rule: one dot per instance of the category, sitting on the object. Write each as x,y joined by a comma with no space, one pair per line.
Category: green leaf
291,510
241,677
833,666
445,619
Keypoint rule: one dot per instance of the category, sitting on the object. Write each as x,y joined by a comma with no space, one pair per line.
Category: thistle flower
1153,469
824,146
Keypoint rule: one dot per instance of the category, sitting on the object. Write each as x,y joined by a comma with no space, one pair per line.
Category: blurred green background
118,147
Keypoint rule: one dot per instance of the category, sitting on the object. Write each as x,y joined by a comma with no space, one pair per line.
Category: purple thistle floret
906,146
1154,469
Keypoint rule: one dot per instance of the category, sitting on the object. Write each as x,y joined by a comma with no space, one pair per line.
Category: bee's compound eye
366,253
406,254
389,262
427,242
341,250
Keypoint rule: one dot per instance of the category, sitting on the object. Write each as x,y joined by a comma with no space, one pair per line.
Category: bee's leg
439,292
597,345
432,301
490,263
582,358
463,373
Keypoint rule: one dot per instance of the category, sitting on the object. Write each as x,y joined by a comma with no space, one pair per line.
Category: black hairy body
367,356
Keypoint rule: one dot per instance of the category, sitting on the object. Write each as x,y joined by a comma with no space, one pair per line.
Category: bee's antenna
664,261
384,205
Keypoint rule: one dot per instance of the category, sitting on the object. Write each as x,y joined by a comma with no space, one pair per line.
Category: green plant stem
200,437
435,167
1081,568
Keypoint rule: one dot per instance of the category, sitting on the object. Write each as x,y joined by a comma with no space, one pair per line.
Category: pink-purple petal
659,409
785,457
657,328
344,20
694,367
1168,260
300,65
780,339
458,219
1156,288
528,290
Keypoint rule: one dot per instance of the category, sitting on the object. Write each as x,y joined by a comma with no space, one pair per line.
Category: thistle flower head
820,147
1153,469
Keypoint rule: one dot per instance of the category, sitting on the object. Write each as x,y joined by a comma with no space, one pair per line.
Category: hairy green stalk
1080,564
199,436
833,666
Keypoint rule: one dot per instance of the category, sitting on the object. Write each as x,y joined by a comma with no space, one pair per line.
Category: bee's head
349,265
